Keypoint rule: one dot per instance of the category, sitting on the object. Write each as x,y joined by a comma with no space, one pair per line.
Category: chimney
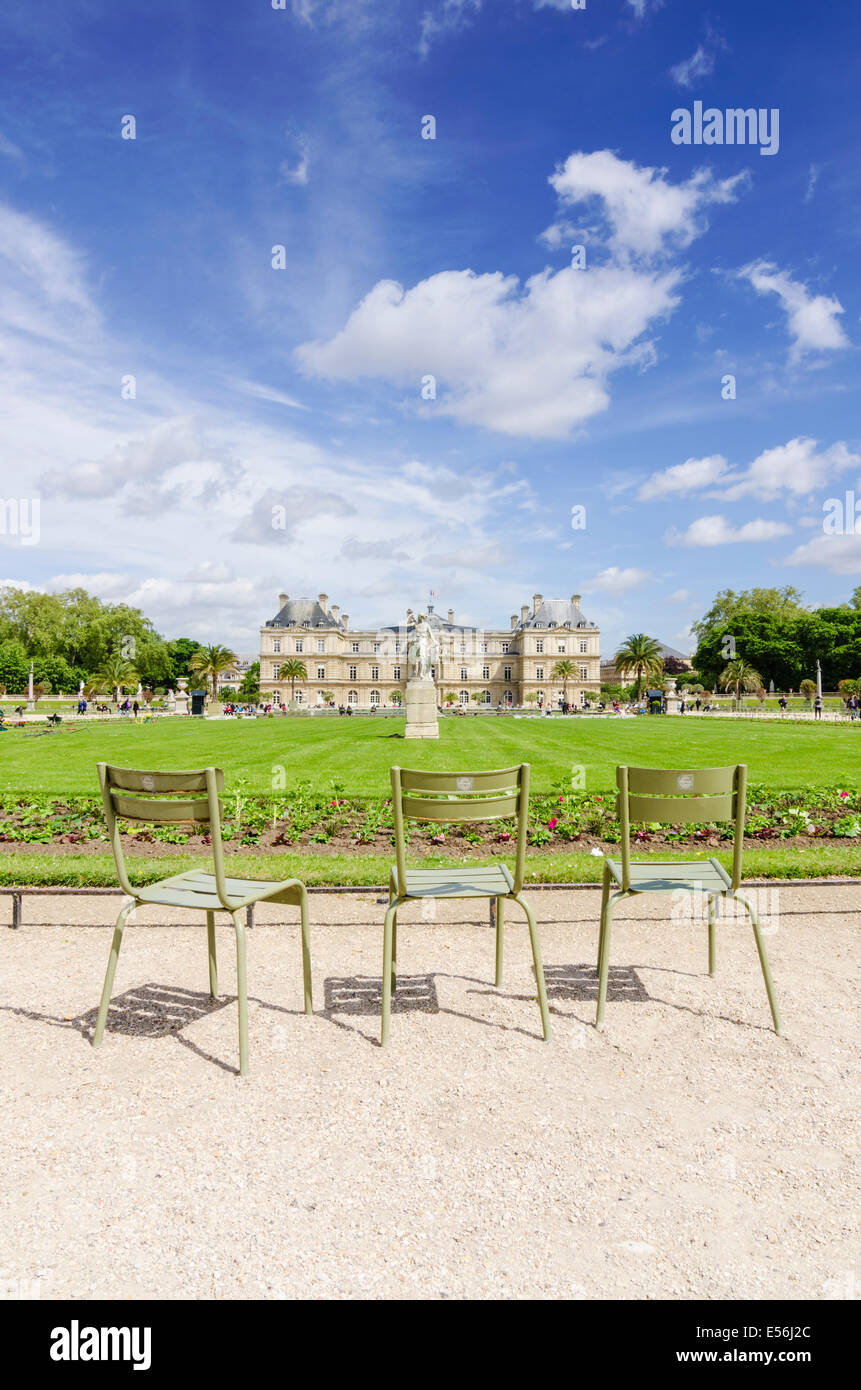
346,621
323,600
513,621
537,600
334,611
282,599
451,615
524,612
575,598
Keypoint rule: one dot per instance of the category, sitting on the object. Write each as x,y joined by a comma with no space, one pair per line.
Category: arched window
508,697
485,697
464,697
374,697
352,697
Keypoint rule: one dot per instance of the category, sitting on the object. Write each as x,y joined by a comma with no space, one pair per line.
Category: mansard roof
301,612
556,612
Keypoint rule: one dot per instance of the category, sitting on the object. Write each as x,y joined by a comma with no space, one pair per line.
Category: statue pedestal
672,696
421,710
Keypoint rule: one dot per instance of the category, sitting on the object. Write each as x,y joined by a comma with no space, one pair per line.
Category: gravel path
685,1151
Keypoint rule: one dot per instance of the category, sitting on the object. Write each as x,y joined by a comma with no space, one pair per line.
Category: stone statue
423,651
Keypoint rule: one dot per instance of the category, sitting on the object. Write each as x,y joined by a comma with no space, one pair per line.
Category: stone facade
364,668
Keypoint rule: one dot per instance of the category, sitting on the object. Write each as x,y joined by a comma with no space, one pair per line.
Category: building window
485,697
276,644
584,673
321,644
321,673
300,698
560,647
354,646
375,673
276,697
397,647
485,673
463,646
539,673
300,645
464,697
539,645
396,673
352,673
582,697
506,675
376,647
505,648
485,648
463,674
374,697
352,697
584,646
275,669
540,694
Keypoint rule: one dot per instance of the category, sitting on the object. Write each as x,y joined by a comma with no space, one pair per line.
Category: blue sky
294,395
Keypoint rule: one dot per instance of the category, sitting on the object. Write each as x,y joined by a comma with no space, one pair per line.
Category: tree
641,656
179,653
209,662
739,675
397,698
249,686
116,674
328,696
856,597
477,697
532,697
294,670
675,666
808,689
729,606
564,671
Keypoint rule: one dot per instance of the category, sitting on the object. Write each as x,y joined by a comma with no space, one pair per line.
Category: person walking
135,709
782,703
817,707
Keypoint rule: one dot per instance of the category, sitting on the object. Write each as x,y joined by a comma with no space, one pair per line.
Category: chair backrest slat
155,812
681,796
444,809
681,810
444,797
131,780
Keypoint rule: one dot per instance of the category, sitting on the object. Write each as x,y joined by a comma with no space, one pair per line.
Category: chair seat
709,875
197,890
494,881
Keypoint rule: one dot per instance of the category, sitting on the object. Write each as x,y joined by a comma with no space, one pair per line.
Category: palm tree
116,674
293,670
639,655
739,675
564,671
209,662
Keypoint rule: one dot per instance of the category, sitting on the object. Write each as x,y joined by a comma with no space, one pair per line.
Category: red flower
552,824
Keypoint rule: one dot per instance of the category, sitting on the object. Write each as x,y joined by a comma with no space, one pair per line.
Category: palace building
365,669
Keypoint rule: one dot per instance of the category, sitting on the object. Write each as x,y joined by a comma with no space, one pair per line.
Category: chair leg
395,951
110,973
712,924
213,965
388,971
604,962
500,923
763,960
241,994
306,950
605,893
539,969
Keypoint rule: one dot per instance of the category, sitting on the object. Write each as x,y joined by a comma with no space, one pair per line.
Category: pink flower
552,824
843,795
505,835
333,803
438,839
561,800
599,798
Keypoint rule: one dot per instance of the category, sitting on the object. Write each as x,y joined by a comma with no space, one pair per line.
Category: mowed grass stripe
273,754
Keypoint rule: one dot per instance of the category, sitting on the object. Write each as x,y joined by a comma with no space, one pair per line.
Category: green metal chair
155,802
456,796
674,797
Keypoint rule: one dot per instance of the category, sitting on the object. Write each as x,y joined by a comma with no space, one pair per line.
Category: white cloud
297,173
614,580
532,362
683,478
8,147
797,468
266,393
812,180
647,215
700,64
716,530
839,554
812,320
680,596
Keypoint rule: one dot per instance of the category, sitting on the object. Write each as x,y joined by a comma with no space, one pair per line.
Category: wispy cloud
709,531
812,319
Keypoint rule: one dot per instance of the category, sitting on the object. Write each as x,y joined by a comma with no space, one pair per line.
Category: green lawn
358,752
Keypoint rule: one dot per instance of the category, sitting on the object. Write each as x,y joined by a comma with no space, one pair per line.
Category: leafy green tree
396,698
739,675
856,597
293,670
564,671
249,686
180,651
14,666
209,662
640,656
729,606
